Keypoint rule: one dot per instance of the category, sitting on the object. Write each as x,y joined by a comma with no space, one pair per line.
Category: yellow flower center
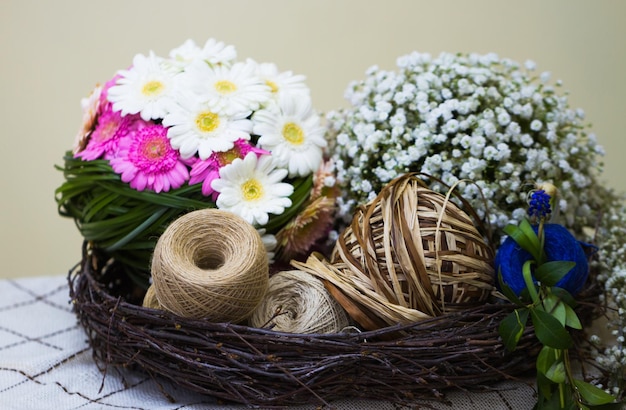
226,157
207,121
225,87
272,85
293,133
252,190
152,88
154,149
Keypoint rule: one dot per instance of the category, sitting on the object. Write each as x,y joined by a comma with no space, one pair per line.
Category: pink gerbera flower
105,89
207,170
148,161
94,107
104,139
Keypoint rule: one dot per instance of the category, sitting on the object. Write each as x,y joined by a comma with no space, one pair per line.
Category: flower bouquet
480,130
195,130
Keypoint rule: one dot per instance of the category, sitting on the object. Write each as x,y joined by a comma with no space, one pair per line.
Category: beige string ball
297,302
210,264
150,300
409,255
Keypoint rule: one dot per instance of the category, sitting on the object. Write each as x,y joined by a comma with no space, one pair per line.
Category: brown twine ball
210,264
297,302
408,255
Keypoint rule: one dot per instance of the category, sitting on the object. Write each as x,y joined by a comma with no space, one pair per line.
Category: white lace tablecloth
46,363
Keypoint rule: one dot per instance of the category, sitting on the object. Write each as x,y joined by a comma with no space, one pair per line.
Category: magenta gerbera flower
105,89
147,161
110,128
207,170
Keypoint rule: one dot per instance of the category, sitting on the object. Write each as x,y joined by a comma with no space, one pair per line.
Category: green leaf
512,327
571,318
302,189
507,291
549,302
555,307
564,295
592,394
545,359
559,313
544,385
132,234
526,238
552,399
549,330
550,273
556,372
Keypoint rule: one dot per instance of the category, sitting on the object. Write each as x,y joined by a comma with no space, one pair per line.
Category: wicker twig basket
260,367
401,358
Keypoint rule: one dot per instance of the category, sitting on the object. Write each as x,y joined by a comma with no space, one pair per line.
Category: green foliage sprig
551,311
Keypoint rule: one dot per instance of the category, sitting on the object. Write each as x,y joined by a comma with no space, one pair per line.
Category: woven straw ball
409,254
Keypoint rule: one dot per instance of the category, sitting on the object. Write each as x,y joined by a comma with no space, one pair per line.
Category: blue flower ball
560,245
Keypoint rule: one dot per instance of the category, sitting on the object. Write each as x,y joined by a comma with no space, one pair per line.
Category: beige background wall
53,53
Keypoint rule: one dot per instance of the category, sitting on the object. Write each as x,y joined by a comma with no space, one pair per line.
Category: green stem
570,378
528,280
542,241
559,353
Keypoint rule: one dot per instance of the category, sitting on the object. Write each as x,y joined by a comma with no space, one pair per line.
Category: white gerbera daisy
252,188
198,127
293,134
213,53
281,83
217,53
232,89
184,54
146,88
269,242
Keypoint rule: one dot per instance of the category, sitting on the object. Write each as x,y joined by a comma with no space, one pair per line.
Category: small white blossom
504,118
536,125
526,140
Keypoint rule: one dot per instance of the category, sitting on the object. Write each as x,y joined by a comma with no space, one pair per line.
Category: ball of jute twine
297,302
150,300
408,255
210,264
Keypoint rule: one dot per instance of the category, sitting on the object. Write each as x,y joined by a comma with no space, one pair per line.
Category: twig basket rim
261,367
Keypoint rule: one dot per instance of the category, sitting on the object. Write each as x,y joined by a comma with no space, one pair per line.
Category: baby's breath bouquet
193,130
493,129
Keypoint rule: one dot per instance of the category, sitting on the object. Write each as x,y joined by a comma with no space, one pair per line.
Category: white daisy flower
217,53
232,89
146,88
269,242
294,135
213,53
184,54
252,188
198,127
281,83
